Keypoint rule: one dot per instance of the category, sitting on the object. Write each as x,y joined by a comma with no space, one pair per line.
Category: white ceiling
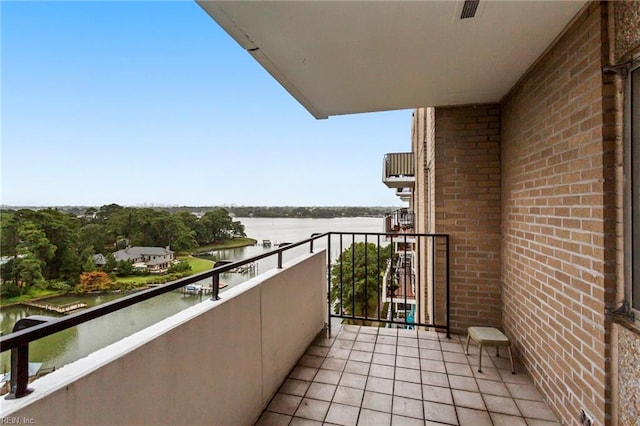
343,57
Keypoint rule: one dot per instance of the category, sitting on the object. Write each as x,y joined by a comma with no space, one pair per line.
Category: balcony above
404,194
398,170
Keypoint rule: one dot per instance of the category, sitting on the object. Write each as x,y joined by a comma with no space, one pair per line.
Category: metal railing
385,245
360,279
18,341
399,164
401,220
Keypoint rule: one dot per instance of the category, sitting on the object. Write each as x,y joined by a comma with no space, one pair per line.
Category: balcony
388,376
255,356
398,170
404,194
400,221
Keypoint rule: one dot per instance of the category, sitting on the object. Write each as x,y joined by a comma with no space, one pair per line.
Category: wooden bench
488,336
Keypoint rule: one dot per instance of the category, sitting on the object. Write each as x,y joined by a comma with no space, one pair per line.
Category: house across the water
155,259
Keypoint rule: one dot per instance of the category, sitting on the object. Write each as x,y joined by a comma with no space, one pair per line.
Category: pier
60,309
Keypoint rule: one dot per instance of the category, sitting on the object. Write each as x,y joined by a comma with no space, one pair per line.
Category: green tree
110,263
356,279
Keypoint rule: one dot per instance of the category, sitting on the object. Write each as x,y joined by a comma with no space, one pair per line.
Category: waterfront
77,342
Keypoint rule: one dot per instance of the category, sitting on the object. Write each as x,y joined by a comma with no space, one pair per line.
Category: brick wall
558,244
467,206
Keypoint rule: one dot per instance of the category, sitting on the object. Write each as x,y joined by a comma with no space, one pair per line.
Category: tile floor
384,376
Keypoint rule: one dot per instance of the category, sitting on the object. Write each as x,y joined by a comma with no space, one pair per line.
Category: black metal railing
366,253
378,274
18,341
401,220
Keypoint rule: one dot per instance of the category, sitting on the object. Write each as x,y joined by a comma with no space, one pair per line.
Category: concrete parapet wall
216,363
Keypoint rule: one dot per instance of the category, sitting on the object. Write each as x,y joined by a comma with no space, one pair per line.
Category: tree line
49,247
265,211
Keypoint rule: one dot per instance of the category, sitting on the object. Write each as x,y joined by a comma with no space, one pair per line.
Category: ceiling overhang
344,57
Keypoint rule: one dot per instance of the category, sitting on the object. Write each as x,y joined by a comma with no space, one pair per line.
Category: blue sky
153,103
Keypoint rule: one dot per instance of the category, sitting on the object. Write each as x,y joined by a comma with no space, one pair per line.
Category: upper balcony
404,194
398,170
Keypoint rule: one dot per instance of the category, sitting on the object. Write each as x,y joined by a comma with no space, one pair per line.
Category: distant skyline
153,103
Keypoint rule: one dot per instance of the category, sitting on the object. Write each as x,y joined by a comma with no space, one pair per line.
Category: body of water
77,342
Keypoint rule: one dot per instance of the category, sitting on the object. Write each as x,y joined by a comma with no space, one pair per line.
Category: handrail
14,340
19,340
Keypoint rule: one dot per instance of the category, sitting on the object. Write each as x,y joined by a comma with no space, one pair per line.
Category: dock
244,269
198,289
60,309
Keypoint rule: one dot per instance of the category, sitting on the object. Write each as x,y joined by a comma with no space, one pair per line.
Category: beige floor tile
535,410
408,351
295,387
331,377
357,381
491,387
380,385
458,369
321,391
343,415
338,353
311,361
431,365
384,359
397,420
284,404
463,383
407,375
360,356
385,371
357,367
377,401
437,394
303,373
343,344
501,404
312,409
437,412
317,350
387,340
407,389
434,379
408,362
273,419
468,399
348,396
407,407
364,346
523,391
373,418
383,348
335,364
471,417
507,420
298,421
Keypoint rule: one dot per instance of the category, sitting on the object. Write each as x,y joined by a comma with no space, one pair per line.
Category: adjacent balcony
404,194
273,351
400,221
398,170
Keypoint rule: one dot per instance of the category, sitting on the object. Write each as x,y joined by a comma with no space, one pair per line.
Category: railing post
215,282
20,359
280,260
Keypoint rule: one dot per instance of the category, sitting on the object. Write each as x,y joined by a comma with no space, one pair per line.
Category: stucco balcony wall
214,363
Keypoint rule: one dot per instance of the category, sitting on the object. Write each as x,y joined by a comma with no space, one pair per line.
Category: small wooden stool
489,336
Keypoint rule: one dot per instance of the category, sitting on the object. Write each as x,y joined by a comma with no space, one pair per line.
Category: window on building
634,139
